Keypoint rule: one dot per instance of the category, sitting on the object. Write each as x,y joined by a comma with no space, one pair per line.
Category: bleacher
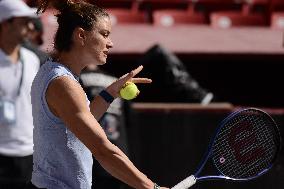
192,15
217,13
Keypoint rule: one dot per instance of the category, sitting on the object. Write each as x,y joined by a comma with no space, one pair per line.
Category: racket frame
208,152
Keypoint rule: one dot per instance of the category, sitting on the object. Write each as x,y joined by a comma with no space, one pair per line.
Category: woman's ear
80,36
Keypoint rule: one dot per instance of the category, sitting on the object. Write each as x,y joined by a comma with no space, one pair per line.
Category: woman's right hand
115,87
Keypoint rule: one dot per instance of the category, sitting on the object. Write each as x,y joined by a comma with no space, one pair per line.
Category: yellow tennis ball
129,91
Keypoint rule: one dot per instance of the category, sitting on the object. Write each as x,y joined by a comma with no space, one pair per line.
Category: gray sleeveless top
61,160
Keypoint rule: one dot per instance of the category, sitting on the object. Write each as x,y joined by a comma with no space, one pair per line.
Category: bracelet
106,96
156,186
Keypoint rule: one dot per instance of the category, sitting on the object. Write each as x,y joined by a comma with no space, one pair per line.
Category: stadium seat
162,4
277,20
246,16
125,16
149,6
108,4
250,6
174,17
276,5
231,19
216,5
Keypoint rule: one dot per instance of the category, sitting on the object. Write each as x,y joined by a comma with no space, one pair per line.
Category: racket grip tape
186,183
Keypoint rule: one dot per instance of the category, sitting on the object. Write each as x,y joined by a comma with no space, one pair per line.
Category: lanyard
22,75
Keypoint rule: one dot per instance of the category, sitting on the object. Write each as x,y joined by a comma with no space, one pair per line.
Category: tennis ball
129,91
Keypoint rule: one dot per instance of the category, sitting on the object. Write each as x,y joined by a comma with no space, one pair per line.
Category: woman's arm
99,106
66,99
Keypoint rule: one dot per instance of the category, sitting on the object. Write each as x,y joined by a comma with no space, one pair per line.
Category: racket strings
251,155
245,145
252,163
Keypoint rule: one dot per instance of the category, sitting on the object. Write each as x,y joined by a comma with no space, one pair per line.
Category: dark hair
72,14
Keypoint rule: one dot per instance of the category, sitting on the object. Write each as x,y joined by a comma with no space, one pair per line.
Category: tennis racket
245,147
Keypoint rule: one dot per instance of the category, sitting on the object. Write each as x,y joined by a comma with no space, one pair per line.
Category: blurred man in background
18,67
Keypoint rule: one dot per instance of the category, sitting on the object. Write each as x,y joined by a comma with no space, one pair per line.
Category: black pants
15,172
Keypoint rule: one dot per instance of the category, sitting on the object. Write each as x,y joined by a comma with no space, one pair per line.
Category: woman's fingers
130,75
141,80
137,70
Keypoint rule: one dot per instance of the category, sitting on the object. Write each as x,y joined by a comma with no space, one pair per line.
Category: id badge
7,112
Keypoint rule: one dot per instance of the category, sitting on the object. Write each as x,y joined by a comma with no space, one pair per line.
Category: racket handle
186,183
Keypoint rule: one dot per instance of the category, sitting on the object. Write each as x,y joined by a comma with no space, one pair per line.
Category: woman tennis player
67,132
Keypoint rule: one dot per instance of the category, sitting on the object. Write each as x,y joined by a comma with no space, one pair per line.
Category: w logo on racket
245,144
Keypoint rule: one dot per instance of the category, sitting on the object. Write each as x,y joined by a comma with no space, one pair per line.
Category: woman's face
98,42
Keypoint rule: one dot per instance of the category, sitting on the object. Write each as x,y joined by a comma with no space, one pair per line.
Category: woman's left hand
115,87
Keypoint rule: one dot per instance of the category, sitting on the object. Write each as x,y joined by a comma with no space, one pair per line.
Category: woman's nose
109,44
